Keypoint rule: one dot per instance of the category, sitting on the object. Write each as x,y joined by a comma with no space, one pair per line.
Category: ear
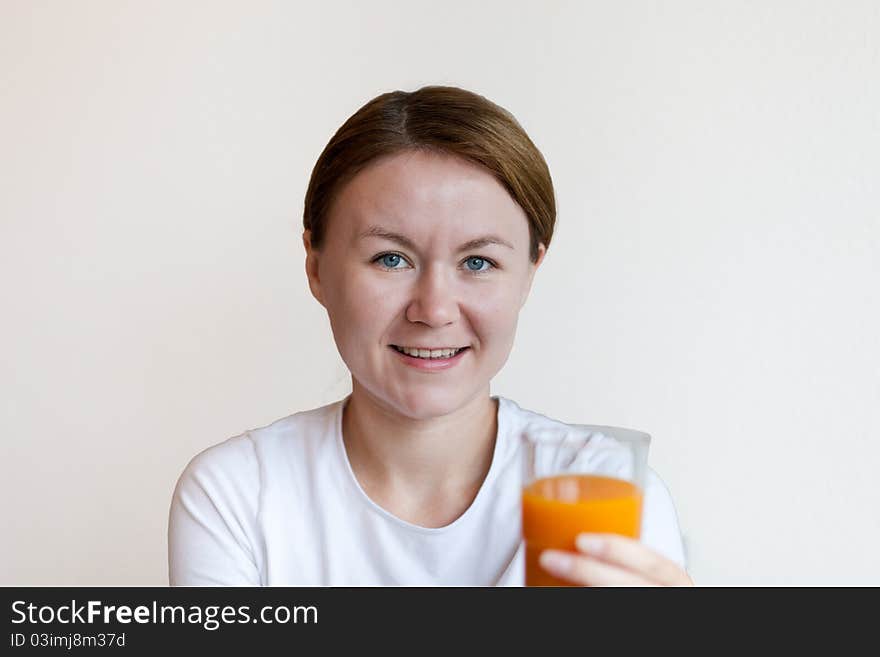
312,267
533,267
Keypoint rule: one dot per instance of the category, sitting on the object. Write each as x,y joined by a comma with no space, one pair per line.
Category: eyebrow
404,241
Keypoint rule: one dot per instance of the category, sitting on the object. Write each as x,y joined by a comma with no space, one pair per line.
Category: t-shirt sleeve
660,529
212,524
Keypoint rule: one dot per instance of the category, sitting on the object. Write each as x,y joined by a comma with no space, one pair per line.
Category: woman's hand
613,560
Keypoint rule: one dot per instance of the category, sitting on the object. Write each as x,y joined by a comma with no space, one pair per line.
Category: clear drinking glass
579,478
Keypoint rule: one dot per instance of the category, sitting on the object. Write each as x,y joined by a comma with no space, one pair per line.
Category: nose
434,301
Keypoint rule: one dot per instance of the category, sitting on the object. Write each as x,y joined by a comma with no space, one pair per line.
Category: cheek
493,315
359,307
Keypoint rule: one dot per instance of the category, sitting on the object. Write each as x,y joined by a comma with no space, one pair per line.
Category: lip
432,365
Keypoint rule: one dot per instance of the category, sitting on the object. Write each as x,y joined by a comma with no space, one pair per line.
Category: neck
447,455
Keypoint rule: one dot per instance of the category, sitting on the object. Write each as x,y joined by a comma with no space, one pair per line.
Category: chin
423,403
426,404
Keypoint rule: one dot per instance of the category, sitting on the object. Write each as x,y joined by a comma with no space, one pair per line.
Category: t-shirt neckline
500,436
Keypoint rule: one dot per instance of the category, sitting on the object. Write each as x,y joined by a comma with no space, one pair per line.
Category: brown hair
441,119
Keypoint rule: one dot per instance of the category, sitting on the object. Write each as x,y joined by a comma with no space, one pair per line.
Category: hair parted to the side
443,119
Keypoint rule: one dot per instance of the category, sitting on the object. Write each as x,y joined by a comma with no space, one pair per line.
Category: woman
426,218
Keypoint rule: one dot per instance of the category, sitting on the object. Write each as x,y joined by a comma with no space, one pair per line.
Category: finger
629,554
585,571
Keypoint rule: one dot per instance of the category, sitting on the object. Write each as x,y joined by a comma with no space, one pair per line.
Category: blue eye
475,264
390,260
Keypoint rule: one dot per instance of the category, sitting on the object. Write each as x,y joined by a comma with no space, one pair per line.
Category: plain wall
713,279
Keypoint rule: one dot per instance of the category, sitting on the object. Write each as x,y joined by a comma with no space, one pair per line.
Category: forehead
427,195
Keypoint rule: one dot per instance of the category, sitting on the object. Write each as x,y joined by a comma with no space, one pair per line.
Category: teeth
427,353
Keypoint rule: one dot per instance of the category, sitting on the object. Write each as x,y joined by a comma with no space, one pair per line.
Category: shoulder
215,536
519,418
309,426
514,422
218,487
237,465
519,421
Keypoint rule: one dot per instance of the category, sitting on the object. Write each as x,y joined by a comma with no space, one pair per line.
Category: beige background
714,278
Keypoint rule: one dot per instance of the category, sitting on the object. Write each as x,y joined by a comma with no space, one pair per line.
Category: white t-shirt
280,506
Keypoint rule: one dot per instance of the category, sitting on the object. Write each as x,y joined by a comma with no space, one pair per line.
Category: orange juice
556,509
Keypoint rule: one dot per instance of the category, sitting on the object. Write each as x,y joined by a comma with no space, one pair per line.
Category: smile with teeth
428,353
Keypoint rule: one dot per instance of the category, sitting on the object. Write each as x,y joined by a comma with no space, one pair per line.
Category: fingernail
557,562
590,544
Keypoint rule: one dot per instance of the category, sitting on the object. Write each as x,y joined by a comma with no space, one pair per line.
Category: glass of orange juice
579,478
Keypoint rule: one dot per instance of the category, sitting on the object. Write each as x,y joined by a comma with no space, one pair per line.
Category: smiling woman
429,277
426,218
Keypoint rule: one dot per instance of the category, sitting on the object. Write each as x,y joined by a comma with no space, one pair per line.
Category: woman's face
396,270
